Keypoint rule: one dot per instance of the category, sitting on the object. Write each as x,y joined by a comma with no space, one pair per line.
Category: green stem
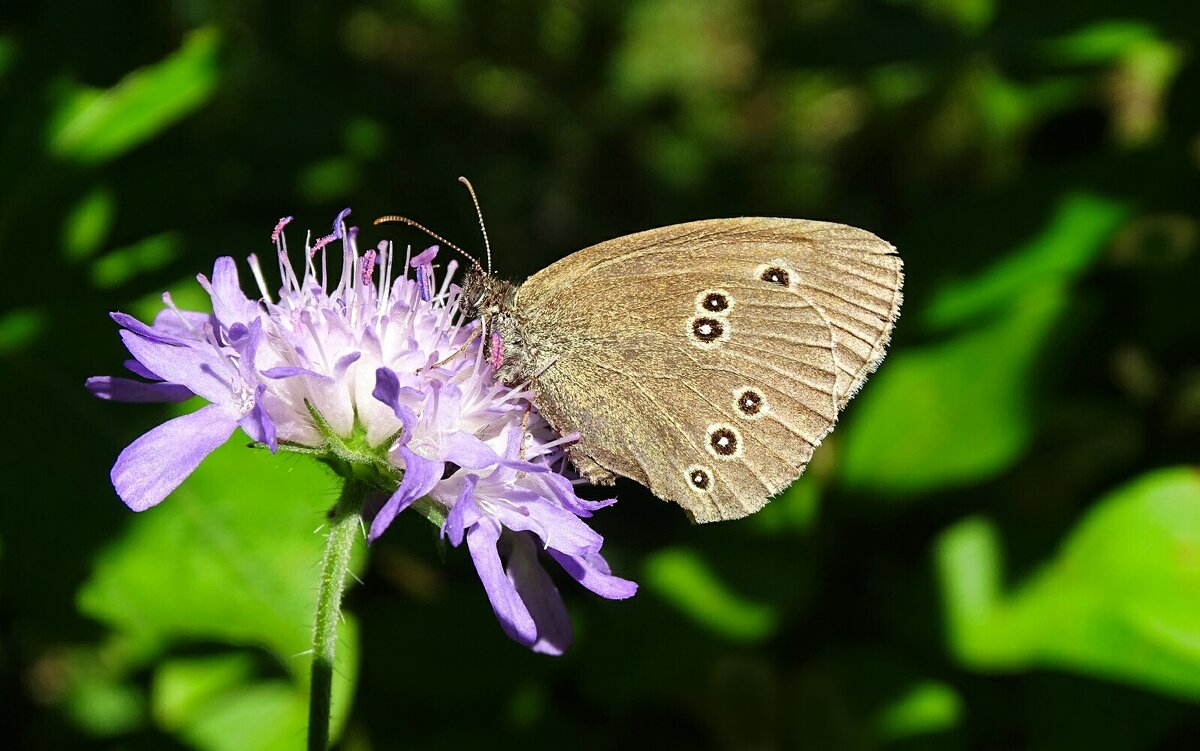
344,526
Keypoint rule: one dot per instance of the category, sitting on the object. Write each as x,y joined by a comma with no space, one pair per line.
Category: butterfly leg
457,354
524,431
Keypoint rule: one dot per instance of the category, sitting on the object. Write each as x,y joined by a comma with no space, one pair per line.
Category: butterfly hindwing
708,360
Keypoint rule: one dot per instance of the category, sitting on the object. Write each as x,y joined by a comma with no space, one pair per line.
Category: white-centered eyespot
777,273
699,478
723,441
708,331
750,402
714,301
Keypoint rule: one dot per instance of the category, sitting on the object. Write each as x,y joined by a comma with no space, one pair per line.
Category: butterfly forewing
707,360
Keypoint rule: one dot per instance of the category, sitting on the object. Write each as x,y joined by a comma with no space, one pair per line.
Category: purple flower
382,371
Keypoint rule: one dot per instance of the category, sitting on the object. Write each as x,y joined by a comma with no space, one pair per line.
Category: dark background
999,548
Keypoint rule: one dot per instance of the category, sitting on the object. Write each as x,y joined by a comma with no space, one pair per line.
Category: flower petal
183,324
258,423
510,610
463,513
540,596
127,321
559,528
128,390
287,371
389,391
592,572
466,450
420,475
198,367
154,465
137,368
230,304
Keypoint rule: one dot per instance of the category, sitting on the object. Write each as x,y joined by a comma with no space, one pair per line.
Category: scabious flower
381,372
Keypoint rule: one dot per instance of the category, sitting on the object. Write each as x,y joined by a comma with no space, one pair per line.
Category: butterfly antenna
405,220
479,213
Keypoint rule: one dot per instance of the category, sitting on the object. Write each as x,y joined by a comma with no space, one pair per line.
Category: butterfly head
483,295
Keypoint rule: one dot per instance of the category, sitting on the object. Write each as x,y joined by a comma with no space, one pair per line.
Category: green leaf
1121,599
924,707
20,328
685,580
232,557
952,413
1101,42
119,266
98,125
1080,228
88,224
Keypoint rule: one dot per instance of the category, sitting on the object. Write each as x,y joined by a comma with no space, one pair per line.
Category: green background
999,548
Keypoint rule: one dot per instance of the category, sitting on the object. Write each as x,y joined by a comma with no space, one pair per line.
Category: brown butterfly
704,360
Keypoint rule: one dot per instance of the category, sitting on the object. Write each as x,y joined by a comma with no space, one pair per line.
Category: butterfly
704,360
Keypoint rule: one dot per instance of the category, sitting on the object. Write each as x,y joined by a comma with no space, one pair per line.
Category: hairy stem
344,526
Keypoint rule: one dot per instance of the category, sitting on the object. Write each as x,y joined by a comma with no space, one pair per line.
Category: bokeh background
999,548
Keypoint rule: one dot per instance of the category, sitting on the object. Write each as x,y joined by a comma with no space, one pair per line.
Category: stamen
166,298
340,222
423,284
279,228
259,279
368,266
321,243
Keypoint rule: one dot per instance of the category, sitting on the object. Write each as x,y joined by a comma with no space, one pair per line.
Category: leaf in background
1100,42
1121,600
20,328
88,223
149,254
922,708
683,578
232,556
8,52
1081,227
953,413
95,126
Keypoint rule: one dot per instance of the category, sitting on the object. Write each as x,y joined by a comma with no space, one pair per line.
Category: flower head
380,370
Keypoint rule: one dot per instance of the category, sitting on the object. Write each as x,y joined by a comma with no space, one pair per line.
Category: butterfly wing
708,360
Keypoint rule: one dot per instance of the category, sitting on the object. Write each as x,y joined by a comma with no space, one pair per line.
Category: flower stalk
345,527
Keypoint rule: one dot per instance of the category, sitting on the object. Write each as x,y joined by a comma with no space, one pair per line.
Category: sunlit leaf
123,264
709,47
1099,42
1079,230
950,413
182,686
231,556
923,708
88,224
968,16
687,582
1121,600
98,125
793,510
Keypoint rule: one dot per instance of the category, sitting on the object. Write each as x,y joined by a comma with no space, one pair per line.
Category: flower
381,372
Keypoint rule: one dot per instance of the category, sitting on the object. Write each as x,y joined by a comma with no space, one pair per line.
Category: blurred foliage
998,549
